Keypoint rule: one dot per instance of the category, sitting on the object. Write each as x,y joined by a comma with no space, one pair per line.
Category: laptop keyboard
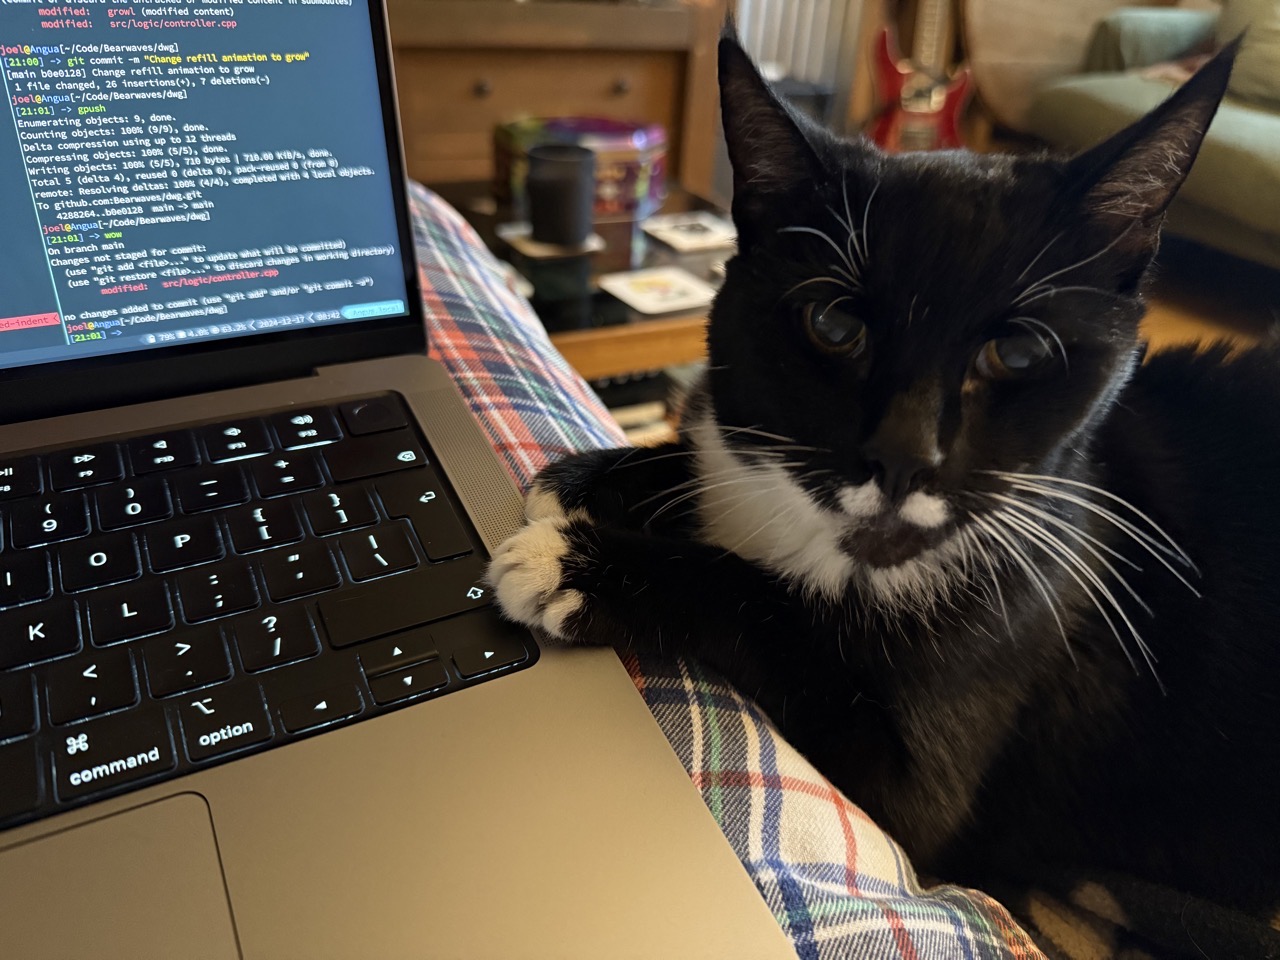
178,599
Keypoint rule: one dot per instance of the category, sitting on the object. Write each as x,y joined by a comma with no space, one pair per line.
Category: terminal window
186,172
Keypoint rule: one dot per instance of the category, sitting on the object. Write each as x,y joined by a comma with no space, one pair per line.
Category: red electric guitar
922,105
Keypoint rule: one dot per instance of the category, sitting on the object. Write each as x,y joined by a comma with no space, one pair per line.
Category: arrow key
397,652
481,642
409,682
319,708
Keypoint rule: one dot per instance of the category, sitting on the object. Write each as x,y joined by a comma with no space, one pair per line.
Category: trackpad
143,883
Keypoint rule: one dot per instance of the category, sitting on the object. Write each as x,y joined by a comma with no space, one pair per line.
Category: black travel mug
561,189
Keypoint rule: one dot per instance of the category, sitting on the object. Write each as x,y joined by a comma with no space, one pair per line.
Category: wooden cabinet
463,66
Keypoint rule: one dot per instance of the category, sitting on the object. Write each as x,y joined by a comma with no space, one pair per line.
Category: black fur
990,745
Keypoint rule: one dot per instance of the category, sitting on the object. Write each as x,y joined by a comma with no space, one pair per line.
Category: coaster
659,289
685,232
520,236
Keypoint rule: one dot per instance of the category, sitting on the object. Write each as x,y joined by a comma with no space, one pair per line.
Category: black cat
1013,590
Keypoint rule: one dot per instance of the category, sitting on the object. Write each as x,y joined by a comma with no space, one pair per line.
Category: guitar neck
932,36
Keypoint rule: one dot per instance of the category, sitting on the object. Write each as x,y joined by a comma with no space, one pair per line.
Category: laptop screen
180,172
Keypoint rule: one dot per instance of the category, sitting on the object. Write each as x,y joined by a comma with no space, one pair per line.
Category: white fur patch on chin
760,513
525,574
924,510
920,582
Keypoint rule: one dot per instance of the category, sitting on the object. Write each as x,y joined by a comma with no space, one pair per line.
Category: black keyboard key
85,466
19,779
409,600
304,428
378,552
134,502
24,577
17,705
297,571
373,415
88,686
264,525
321,707
217,591
235,441
482,642
163,451
50,519
112,558
224,720
291,473
111,752
419,496
128,613
358,457
19,478
38,633
333,511
394,653
186,660
184,543
284,635
423,678
210,488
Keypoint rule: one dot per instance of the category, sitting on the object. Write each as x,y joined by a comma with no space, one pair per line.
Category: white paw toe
526,572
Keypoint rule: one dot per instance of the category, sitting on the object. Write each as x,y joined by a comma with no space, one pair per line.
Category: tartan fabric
837,884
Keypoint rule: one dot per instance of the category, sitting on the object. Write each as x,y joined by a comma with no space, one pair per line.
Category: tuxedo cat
1011,588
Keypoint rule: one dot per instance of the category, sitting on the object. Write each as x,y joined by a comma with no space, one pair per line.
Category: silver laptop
253,699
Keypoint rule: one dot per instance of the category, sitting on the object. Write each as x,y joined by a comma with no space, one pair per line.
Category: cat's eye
1009,358
835,330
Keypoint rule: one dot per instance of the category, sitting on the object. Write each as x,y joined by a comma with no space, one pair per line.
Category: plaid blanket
838,885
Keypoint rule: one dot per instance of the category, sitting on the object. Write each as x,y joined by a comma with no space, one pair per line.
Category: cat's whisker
1043,478
842,284
1032,324
1036,578
852,270
689,495
1068,559
1031,296
1035,530
1093,543
984,552
1148,543
864,242
1036,259
623,465
1079,263
697,483
850,244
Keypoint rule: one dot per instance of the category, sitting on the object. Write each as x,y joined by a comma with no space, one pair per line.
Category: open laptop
253,700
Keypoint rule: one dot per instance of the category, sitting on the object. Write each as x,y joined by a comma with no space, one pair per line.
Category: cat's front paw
529,571
546,500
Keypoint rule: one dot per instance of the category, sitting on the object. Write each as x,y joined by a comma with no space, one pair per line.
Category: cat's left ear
768,149
1127,181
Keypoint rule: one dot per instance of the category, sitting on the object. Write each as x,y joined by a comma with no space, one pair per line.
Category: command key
108,753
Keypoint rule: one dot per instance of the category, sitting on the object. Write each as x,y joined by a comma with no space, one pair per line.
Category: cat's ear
768,150
1125,183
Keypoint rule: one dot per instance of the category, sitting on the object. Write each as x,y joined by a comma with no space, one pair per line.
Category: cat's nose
900,475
